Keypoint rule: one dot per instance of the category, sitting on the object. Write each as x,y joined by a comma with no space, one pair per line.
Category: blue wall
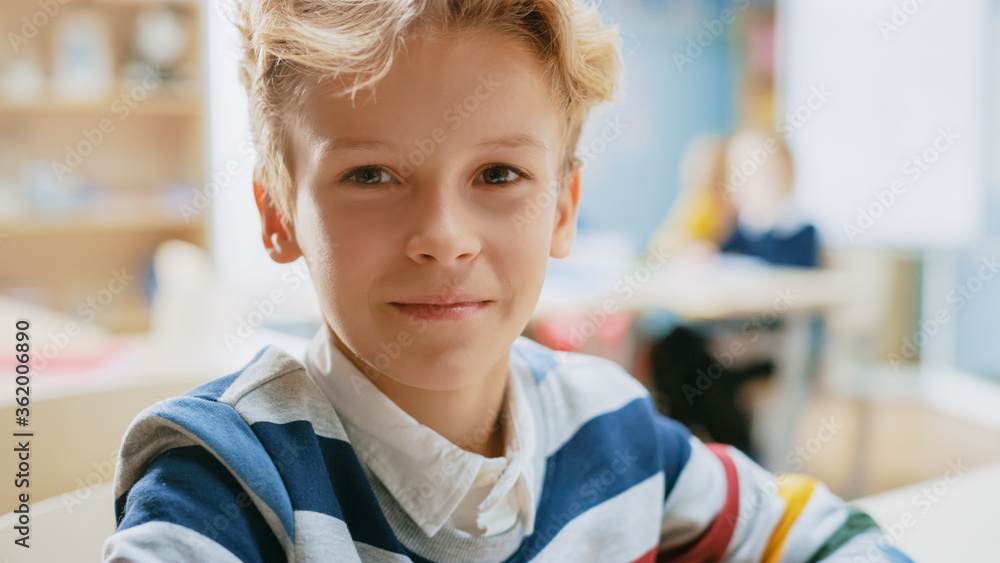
630,186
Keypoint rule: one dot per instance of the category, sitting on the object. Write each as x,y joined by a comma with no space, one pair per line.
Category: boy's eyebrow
513,142
363,143
355,143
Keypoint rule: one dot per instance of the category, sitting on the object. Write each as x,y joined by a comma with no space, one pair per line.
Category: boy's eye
368,175
496,175
500,174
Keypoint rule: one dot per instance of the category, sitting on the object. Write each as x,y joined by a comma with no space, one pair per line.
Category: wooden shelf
157,103
81,224
190,4
139,216
164,107
127,171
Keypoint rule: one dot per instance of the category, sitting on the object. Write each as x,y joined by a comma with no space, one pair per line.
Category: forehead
464,89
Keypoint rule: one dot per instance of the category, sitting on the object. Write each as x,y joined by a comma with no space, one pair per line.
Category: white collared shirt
432,479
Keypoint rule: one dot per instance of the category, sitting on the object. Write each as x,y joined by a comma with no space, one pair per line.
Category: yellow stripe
795,489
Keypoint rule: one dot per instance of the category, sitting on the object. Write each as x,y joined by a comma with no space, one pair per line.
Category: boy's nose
444,231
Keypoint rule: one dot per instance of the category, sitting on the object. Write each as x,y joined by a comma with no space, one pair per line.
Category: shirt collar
426,474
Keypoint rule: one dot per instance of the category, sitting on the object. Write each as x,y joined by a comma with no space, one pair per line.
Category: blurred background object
104,140
703,215
82,66
752,214
129,235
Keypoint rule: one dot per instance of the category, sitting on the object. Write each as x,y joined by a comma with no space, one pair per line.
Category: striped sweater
257,466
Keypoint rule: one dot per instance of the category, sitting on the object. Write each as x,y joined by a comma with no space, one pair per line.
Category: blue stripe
215,388
189,487
324,475
895,556
608,455
236,444
674,441
539,358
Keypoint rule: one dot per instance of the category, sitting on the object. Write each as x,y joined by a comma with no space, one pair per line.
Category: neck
469,417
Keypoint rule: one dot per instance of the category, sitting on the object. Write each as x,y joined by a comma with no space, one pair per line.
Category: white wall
897,74
238,252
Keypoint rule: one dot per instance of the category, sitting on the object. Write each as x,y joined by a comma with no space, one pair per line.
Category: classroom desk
954,518
738,288
719,287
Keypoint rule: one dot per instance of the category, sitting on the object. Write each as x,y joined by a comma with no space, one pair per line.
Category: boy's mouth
438,308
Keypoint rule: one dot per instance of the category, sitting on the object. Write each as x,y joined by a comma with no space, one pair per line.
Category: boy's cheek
530,221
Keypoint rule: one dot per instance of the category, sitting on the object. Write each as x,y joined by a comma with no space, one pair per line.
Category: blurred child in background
760,178
703,216
736,197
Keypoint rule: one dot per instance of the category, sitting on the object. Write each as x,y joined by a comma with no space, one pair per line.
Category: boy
421,426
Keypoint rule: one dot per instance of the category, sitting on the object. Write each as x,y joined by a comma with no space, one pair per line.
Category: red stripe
648,557
711,546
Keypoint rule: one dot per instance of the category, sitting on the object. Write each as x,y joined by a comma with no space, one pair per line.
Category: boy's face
427,212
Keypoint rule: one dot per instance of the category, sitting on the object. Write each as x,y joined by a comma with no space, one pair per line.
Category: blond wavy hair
284,41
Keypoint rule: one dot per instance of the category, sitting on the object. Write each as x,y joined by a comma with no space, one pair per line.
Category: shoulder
575,379
607,449
273,388
587,399
247,420
258,427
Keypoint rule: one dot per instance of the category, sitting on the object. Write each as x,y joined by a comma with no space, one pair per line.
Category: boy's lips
438,307
442,298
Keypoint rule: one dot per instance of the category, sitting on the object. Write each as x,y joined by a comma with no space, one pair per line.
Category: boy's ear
567,205
279,242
